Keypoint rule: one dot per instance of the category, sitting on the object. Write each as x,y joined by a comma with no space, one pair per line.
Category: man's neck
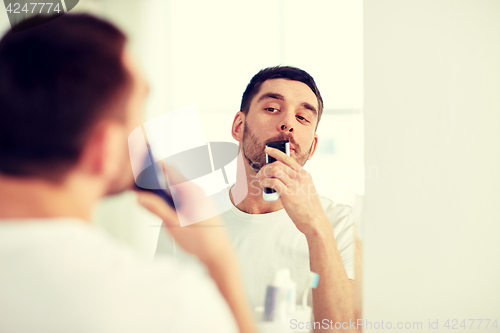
253,203
35,198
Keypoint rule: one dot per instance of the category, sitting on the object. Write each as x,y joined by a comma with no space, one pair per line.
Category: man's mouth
292,146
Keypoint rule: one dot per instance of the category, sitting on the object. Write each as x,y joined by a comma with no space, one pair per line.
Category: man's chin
114,191
256,165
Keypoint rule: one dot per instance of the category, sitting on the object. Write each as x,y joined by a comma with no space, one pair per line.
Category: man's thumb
156,205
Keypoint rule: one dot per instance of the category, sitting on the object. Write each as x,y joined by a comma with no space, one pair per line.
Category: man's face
282,110
134,106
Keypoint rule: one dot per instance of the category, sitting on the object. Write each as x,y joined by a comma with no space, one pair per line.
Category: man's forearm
224,271
333,299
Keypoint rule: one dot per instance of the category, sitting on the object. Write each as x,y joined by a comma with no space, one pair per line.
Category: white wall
205,53
211,49
4,22
432,118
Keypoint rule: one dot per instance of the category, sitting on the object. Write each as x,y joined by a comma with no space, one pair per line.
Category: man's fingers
173,175
281,156
277,170
185,190
157,206
274,183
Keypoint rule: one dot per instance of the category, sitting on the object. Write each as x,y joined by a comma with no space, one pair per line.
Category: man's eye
271,109
302,118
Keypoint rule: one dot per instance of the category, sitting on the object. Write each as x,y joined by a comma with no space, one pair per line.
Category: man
70,95
302,230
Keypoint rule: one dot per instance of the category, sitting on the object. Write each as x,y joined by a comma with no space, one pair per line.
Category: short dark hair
279,72
57,80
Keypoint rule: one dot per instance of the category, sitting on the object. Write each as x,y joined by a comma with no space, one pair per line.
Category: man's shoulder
220,199
74,258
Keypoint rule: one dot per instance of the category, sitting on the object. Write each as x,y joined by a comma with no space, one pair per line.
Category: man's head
69,96
279,103
280,72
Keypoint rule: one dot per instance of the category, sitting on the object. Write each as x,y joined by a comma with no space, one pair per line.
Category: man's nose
286,124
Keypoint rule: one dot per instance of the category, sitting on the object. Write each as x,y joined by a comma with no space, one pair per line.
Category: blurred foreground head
69,97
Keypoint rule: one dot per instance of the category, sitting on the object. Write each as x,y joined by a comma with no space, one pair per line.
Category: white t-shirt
268,242
64,275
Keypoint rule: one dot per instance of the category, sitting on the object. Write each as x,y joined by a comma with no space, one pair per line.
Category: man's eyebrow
271,95
310,107
282,98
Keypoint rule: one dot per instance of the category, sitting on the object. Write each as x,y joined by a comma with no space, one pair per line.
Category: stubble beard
253,150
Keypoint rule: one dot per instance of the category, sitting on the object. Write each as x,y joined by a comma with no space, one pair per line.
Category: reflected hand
296,189
205,239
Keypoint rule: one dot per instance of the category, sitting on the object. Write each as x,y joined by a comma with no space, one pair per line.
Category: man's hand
296,189
206,239
333,299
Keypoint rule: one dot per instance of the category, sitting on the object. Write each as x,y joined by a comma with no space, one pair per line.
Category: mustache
282,137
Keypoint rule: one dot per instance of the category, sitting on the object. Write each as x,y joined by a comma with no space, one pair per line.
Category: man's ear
101,155
314,146
238,126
